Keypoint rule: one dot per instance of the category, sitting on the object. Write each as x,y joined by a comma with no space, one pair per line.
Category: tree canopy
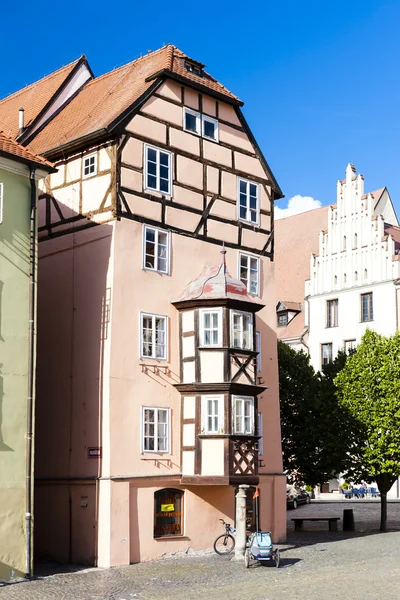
314,426
368,388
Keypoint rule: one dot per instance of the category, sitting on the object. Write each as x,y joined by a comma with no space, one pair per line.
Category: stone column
240,544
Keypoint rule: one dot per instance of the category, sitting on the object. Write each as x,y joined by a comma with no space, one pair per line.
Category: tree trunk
385,482
383,526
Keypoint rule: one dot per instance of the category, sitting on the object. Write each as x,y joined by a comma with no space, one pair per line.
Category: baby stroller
260,548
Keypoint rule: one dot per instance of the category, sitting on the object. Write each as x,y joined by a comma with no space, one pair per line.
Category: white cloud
296,205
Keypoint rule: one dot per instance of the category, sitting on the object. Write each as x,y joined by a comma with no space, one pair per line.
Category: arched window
345,278
168,512
344,243
355,241
355,276
365,274
335,280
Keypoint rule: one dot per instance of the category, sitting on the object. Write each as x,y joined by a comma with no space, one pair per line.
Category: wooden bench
333,521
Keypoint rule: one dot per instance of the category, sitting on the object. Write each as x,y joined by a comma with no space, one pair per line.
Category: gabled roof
101,102
11,149
33,99
284,305
216,284
376,194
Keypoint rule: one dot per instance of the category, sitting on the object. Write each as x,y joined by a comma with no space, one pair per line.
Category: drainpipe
31,372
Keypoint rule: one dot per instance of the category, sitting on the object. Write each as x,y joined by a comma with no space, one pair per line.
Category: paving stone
316,564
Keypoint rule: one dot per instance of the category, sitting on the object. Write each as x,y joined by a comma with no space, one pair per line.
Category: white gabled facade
352,283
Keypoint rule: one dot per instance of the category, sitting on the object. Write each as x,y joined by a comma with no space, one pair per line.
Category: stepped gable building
344,261
346,255
152,406
20,172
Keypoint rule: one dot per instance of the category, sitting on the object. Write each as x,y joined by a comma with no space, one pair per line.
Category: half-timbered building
157,369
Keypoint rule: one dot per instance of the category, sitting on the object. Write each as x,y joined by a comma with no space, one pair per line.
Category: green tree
369,390
314,426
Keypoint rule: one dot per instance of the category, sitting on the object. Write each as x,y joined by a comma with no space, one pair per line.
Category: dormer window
282,319
193,68
200,124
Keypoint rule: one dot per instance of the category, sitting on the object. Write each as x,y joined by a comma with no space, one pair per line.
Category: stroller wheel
277,558
247,558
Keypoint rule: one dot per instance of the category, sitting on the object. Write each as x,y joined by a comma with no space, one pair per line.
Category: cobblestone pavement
316,564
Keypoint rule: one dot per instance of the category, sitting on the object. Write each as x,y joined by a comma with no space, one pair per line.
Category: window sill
249,222
150,270
171,537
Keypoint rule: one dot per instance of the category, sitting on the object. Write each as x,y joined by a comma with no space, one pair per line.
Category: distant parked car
296,496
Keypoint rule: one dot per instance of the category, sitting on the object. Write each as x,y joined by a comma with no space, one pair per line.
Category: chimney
21,121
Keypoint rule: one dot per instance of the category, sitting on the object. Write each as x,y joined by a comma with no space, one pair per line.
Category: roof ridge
24,89
128,64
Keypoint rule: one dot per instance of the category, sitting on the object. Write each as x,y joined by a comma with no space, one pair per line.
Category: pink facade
119,412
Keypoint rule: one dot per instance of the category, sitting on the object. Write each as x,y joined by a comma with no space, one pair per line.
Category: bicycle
225,543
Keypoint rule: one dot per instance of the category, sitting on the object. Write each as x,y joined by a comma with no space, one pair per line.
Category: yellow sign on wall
167,507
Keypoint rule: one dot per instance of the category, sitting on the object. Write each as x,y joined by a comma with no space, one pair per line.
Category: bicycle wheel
224,544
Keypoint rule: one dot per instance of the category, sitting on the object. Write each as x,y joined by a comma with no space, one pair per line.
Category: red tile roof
10,147
33,98
103,99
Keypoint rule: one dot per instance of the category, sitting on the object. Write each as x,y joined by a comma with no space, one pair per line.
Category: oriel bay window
243,415
155,249
211,327
241,330
153,343
155,429
157,170
168,512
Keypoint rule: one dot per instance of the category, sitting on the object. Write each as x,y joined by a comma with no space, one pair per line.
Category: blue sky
320,80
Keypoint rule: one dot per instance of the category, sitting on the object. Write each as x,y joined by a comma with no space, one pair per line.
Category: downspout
31,372
307,328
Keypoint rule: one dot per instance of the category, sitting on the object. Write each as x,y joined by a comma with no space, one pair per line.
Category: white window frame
244,400
332,313
369,295
203,312
258,349
260,433
154,317
148,147
201,118
196,114
241,312
210,120
248,183
168,429
349,345
322,353
205,415
157,232
1,201
249,257
84,159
